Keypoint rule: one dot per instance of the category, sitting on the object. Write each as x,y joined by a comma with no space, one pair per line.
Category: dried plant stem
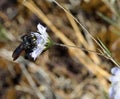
77,22
24,89
78,34
107,56
83,49
111,7
81,39
116,63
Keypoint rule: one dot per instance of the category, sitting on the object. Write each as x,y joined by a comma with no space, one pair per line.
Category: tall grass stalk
103,51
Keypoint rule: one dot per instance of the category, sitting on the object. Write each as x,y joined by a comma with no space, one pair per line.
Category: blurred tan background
60,72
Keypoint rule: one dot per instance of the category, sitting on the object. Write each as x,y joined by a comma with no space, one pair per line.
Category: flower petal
114,79
36,52
111,92
117,94
115,71
42,29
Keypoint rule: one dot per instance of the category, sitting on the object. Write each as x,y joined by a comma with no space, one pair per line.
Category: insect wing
18,51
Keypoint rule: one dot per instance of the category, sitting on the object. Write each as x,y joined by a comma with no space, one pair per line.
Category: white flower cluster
114,91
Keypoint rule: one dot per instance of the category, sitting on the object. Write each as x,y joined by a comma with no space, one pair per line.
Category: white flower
114,91
42,31
41,41
33,44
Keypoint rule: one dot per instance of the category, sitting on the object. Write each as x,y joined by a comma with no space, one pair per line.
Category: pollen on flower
33,44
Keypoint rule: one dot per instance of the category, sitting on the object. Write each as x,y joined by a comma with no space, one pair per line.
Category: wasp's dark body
28,44
18,51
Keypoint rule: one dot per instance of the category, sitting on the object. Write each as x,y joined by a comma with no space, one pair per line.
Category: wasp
33,44
29,43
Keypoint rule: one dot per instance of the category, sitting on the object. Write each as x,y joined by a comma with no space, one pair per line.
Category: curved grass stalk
103,51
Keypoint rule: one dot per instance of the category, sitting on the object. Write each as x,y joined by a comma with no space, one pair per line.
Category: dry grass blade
77,31
24,89
82,40
83,27
111,7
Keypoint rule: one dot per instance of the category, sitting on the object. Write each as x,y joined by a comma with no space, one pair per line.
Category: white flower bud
114,91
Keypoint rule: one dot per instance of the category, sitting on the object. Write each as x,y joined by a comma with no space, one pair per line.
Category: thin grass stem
105,53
